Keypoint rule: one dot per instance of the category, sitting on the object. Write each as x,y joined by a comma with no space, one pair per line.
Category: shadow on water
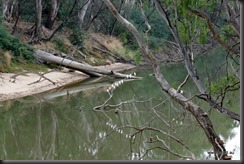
61,124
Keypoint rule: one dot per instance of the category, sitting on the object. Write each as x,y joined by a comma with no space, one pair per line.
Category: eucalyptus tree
83,10
38,20
10,9
185,32
52,14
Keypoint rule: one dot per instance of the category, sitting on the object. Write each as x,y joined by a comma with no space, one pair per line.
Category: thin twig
183,83
38,73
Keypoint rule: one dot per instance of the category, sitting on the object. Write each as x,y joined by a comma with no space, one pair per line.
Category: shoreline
31,83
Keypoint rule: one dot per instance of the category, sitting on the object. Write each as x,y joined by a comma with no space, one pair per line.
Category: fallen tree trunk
85,68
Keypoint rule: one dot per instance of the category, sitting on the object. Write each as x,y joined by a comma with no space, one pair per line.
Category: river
62,124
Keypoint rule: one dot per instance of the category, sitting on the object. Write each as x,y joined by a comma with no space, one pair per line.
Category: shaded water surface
62,124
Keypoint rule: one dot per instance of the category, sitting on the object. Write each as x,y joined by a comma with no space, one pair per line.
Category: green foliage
59,45
137,57
219,87
19,50
123,37
157,35
159,31
77,37
1,16
64,9
27,10
203,36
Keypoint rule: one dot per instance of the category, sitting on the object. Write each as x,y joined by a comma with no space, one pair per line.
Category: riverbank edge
30,83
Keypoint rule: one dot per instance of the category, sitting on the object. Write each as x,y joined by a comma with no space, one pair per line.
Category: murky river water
62,124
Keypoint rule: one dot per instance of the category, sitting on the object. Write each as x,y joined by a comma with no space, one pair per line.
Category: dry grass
98,49
5,60
109,44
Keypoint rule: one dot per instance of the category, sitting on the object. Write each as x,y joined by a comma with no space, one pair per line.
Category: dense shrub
19,50
77,37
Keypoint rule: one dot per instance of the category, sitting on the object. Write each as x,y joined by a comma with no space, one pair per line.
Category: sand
31,83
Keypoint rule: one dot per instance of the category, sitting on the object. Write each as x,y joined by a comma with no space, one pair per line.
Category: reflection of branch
166,149
13,131
5,155
154,110
37,149
139,130
106,106
103,106
180,115
50,155
158,147
153,140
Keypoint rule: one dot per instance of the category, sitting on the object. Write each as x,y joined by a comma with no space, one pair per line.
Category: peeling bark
82,12
87,69
38,18
52,14
191,69
201,117
10,10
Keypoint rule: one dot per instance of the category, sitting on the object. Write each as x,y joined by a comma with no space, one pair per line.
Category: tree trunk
99,10
82,12
191,69
52,14
87,69
129,5
201,117
10,10
38,18
114,23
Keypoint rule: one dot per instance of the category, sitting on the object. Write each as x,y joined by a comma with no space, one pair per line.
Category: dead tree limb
85,68
42,75
199,114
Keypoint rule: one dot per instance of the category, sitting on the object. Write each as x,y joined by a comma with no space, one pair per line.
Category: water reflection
232,144
66,127
62,124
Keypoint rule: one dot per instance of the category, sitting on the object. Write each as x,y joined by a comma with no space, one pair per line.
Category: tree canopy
154,28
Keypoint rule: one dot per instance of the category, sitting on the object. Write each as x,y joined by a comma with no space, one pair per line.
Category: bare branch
197,112
189,64
158,147
40,74
145,18
183,83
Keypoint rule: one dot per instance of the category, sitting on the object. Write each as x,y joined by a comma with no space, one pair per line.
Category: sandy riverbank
30,83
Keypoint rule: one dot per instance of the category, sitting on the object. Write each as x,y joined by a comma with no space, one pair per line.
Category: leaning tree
176,23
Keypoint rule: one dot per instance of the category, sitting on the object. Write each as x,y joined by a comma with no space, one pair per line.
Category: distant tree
185,34
52,15
36,32
10,10
82,11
